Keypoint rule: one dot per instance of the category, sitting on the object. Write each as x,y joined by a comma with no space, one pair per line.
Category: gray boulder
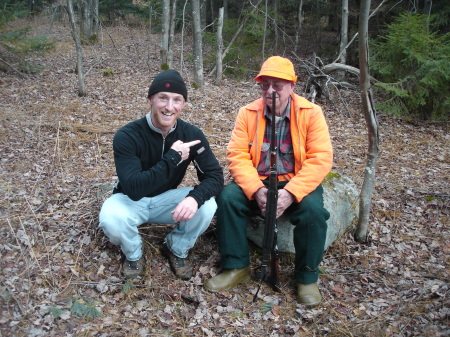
341,199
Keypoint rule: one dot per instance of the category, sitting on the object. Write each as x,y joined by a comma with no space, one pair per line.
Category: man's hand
185,209
261,199
184,148
285,199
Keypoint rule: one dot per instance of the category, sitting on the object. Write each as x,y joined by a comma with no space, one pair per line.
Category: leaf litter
60,276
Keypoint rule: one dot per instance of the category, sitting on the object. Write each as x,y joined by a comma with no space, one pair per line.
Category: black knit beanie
168,80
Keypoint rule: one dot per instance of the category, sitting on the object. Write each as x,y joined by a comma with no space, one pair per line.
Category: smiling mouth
167,114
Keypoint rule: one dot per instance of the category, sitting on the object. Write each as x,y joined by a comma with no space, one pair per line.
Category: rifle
270,247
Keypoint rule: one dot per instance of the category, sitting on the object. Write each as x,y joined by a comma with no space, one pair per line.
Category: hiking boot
132,269
182,268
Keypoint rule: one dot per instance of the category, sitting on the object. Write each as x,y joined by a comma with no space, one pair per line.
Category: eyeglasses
277,86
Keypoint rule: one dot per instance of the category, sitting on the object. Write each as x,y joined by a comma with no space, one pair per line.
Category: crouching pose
151,156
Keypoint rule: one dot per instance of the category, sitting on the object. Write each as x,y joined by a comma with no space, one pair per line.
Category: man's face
282,88
166,108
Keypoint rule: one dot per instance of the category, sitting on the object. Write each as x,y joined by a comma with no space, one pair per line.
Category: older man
151,156
304,157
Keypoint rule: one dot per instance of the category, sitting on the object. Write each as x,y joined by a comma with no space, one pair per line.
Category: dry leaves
59,275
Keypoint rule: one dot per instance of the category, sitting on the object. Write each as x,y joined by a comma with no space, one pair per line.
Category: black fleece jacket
146,166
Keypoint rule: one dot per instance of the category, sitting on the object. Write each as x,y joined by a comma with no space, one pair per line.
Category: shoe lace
179,261
133,265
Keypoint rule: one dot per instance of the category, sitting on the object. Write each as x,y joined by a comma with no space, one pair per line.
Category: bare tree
344,33
371,121
219,65
88,18
165,28
427,10
265,31
172,33
275,27
298,27
235,36
79,49
225,10
354,36
198,47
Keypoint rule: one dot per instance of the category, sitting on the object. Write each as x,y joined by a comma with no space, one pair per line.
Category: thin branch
12,67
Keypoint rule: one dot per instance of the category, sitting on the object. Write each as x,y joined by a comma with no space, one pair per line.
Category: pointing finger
194,142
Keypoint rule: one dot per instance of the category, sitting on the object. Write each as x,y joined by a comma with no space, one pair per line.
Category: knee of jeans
208,208
113,226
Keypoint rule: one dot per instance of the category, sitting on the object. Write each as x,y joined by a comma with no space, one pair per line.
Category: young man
304,157
151,157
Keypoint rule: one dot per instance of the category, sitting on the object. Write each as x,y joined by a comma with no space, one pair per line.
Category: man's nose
271,89
169,105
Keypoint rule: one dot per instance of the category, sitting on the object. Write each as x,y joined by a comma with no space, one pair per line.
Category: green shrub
413,64
16,44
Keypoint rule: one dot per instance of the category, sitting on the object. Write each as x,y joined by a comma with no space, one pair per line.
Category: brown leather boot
132,269
308,294
182,268
228,279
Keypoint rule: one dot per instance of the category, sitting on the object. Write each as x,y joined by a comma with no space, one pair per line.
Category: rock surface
341,199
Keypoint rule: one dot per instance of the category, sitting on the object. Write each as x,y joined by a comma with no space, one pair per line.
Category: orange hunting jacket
311,144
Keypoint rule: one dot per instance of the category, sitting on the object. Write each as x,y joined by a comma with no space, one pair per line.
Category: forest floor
59,276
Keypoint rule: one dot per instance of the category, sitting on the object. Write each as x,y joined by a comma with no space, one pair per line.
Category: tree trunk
344,33
88,18
203,7
150,14
427,10
165,26
265,32
79,49
372,124
198,47
172,34
219,65
255,7
298,27
275,28
356,34
225,10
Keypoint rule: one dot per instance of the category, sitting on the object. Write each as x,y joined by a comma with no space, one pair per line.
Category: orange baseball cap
279,67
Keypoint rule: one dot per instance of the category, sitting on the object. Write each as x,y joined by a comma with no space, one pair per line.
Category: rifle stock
270,247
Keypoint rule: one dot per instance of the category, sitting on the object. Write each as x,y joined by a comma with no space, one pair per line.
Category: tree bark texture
298,27
275,28
198,44
172,34
164,48
88,18
79,49
344,33
219,65
265,32
372,125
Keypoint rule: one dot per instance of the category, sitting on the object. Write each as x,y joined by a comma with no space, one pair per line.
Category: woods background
60,277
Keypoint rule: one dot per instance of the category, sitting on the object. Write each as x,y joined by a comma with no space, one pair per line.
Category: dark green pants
309,218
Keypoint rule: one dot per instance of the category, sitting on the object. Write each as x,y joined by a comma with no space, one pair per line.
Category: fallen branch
14,69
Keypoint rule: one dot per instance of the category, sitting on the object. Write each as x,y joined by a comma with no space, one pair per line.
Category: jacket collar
154,128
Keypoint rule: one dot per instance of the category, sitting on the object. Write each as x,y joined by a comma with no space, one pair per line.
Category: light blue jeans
120,217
